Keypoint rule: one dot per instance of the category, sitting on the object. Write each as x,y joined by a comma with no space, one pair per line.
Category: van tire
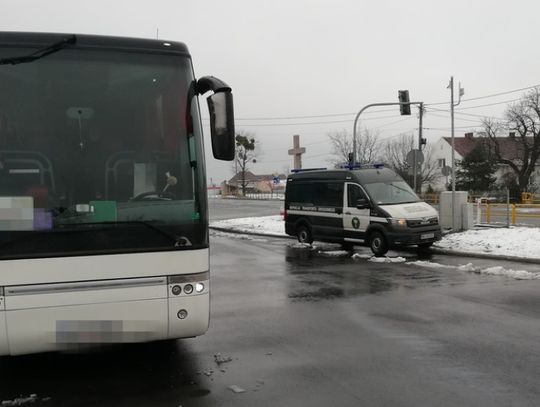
378,243
303,234
347,246
424,248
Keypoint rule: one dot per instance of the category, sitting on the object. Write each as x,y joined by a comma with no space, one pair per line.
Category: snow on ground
334,253
397,259
271,225
238,236
362,256
515,241
496,271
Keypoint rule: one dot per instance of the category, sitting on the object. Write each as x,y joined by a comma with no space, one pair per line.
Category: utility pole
452,105
420,142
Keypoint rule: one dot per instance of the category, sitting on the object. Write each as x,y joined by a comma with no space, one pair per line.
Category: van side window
328,194
354,193
300,193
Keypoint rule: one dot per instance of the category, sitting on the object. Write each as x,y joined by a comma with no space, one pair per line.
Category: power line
392,110
487,96
461,119
310,123
489,104
448,128
432,109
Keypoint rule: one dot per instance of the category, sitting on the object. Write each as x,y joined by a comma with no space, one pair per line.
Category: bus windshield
100,152
391,192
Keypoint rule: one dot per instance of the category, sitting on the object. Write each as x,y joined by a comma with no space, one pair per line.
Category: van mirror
362,203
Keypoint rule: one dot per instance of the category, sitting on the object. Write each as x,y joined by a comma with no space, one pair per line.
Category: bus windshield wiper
40,53
179,241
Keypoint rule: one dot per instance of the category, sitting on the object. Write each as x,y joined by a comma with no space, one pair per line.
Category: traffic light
423,142
403,96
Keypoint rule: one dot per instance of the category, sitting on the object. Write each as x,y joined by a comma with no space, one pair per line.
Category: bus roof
363,176
38,40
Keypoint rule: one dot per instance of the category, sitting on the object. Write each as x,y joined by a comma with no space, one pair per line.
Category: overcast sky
290,59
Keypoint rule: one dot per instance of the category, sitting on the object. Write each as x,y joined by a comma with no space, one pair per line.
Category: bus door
355,221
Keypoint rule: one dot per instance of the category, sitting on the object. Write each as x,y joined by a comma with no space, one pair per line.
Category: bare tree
395,155
245,154
367,146
521,151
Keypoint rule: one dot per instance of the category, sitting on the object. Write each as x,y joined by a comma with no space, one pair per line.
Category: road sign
276,180
411,157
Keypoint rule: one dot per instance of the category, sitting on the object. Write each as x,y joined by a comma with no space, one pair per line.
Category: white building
442,155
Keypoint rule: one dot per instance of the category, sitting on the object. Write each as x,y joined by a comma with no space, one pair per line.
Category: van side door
355,217
328,199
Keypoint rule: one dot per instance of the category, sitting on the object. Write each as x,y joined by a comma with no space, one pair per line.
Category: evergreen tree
476,172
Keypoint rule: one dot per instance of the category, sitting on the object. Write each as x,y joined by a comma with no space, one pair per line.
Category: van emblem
355,223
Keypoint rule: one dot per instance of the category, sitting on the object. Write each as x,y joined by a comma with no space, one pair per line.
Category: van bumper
413,236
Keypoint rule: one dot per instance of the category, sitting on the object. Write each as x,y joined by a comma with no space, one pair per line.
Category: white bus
103,206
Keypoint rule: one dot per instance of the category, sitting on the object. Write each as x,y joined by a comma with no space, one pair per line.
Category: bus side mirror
362,204
220,106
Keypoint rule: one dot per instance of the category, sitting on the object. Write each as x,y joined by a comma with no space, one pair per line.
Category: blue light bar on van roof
297,170
361,166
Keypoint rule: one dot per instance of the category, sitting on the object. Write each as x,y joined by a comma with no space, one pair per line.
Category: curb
437,250
239,232
434,250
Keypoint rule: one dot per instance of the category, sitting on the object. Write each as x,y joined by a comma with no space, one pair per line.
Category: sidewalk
515,244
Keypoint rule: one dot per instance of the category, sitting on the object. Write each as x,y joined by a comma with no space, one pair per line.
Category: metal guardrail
432,199
514,214
530,198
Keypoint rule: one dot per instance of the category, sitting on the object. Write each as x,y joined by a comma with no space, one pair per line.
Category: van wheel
347,246
303,233
424,248
378,244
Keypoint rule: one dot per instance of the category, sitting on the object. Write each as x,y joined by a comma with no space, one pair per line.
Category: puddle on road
317,276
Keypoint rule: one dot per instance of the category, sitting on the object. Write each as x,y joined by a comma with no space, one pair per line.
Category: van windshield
391,192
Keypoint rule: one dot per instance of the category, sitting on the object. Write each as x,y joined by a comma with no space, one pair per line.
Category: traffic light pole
373,105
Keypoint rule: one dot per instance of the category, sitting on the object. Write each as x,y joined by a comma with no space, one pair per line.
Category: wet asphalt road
304,328
239,208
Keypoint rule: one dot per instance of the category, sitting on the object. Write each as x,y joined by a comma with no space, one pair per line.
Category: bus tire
303,233
378,243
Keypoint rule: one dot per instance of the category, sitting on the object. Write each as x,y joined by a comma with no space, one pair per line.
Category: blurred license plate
427,236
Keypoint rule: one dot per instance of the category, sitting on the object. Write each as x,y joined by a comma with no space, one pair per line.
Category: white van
358,205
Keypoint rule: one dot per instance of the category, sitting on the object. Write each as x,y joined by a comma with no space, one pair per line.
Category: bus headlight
188,288
199,287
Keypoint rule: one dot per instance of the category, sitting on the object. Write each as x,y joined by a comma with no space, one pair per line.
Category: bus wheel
303,233
378,244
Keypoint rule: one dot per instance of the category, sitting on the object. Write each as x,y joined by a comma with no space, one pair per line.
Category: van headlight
397,221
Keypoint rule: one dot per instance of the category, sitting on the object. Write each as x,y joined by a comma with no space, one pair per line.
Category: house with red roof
510,147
